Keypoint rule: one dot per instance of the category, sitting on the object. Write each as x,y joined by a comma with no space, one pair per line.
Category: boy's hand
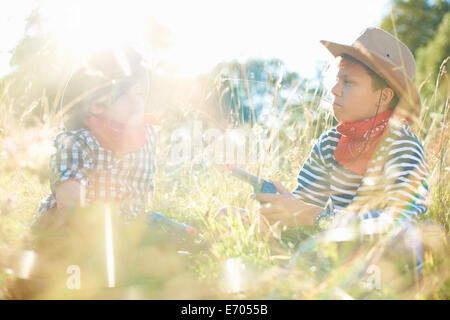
286,208
281,207
67,195
280,188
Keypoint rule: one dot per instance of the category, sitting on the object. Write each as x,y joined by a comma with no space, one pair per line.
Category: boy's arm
405,195
69,167
67,194
308,200
407,187
288,209
311,196
313,181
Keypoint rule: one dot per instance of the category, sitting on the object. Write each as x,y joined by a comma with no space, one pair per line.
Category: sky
205,32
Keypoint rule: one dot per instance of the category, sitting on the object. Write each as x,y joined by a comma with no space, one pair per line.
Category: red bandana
118,137
352,151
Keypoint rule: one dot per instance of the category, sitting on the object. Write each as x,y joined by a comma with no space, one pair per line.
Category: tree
416,21
38,65
424,26
431,57
252,90
44,59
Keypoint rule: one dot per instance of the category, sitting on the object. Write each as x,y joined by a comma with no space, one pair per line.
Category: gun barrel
159,219
244,175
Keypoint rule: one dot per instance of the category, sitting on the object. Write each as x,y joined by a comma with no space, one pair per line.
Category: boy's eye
344,81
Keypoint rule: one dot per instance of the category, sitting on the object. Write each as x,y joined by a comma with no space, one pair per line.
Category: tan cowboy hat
391,59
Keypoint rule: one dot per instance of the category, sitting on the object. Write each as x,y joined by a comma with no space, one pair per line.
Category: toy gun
185,236
259,185
157,220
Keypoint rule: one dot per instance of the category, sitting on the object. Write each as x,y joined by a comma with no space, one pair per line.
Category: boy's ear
387,94
97,108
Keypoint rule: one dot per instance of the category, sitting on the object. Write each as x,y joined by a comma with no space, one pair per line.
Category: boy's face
128,107
354,97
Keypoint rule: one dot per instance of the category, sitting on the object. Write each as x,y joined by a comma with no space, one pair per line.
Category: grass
241,262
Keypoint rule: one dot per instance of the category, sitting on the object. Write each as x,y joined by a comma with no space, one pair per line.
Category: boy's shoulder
399,133
401,136
330,133
328,139
75,138
403,131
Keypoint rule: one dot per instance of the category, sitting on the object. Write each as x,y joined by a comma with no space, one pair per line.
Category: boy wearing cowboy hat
370,164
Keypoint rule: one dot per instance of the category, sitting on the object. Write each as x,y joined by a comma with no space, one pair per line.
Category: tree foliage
431,57
258,90
44,60
424,26
416,21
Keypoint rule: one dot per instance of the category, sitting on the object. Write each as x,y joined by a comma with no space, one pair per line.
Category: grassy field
240,262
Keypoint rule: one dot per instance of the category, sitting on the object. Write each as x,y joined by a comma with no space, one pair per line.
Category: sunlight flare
109,248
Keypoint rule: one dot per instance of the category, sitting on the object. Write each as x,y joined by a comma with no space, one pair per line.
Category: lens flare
109,248
233,268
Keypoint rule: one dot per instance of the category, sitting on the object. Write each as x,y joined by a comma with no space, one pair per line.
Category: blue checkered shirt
126,180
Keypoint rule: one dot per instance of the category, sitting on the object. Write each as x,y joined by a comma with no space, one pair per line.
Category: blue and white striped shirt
394,185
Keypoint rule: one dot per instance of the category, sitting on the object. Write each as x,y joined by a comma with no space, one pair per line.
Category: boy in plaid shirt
107,153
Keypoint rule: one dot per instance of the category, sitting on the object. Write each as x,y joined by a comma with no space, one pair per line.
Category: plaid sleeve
313,182
71,159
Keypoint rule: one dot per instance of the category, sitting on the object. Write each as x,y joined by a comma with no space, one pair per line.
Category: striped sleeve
71,159
406,172
313,184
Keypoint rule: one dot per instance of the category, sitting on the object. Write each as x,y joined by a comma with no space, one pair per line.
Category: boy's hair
377,81
106,75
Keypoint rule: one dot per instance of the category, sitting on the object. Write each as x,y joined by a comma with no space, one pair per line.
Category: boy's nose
336,90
